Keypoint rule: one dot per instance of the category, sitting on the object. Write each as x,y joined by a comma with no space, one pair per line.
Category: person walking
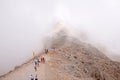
35,62
43,60
38,62
46,51
36,78
31,77
35,67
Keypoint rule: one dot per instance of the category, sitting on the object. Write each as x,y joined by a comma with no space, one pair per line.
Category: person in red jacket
41,60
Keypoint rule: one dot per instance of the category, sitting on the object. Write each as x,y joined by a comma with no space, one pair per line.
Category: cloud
26,23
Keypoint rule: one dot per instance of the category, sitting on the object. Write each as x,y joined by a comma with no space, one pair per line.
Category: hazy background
24,24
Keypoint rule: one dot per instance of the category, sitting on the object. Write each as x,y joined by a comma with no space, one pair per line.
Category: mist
25,24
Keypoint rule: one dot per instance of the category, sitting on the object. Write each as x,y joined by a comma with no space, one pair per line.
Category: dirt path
25,71
49,70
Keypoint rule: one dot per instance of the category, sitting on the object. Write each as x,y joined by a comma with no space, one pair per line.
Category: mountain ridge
70,59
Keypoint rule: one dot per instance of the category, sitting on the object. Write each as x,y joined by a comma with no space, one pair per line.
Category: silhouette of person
36,77
43,60
35,67
46,51
31,77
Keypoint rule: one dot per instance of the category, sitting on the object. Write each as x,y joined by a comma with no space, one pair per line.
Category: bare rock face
86,61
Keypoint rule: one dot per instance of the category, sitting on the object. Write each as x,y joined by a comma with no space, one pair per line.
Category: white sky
25,23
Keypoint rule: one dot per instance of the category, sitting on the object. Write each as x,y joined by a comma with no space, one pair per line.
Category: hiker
38,62
46,51
31,77
43,60
35,62
36,77
35,67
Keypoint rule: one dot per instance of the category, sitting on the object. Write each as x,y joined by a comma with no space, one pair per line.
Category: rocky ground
69,60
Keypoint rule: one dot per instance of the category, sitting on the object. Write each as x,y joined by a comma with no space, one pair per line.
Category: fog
24,25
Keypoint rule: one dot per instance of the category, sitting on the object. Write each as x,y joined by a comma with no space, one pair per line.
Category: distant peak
59,26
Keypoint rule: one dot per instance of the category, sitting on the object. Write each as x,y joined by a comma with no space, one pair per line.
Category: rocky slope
70,59
84,61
